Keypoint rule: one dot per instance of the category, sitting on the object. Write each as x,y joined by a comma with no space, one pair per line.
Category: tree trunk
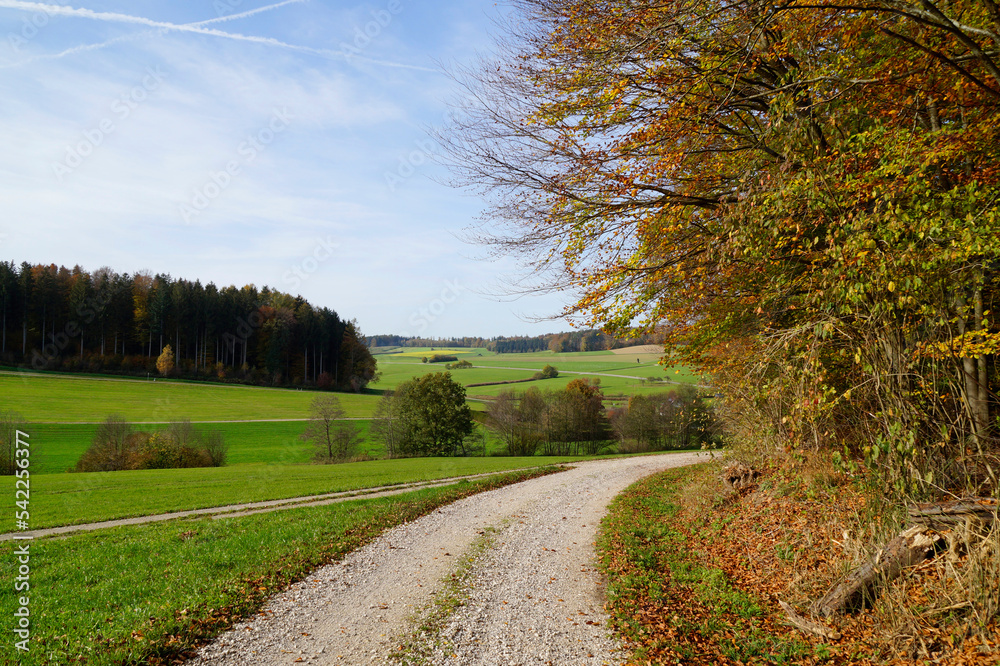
982,406
946,515
912,546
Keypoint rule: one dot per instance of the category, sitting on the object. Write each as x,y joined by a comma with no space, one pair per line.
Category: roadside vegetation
696,572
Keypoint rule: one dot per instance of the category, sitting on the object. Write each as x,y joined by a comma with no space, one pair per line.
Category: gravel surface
533,596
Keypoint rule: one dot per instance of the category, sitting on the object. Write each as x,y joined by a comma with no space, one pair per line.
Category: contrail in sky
197,28
127,38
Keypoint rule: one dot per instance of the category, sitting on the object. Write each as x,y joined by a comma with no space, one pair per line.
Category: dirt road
531,594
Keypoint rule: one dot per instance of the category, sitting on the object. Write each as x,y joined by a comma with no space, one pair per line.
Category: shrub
111,447
548,372
460,365
442,358
117,446
216,448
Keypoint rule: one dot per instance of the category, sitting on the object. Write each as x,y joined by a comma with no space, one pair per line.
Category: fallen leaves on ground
696,572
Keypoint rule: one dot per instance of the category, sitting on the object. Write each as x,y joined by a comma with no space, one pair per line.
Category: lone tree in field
165,362
335,440
426,416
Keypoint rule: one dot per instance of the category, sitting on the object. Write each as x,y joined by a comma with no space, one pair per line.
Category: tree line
575,421
573,341
54,318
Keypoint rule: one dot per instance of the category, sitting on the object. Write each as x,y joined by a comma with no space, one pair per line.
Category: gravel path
533,595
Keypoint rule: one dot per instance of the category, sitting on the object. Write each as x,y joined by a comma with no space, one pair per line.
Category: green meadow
70,399
74,499
266,457
623,373
60,445
124,594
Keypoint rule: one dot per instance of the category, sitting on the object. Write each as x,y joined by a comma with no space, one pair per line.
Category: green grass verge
147,594
73,499
667,603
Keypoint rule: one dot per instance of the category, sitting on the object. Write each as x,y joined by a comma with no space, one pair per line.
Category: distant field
65,398
71,499
63,409
619,374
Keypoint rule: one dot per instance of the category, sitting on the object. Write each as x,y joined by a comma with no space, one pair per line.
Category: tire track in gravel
535,596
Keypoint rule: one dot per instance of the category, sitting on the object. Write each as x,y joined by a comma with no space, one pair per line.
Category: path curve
534,595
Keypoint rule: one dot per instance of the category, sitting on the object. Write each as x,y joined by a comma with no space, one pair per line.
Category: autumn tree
515,423
802,197
334,438
165,361
110,448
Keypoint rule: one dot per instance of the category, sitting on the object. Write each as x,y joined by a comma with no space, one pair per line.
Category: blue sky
240,141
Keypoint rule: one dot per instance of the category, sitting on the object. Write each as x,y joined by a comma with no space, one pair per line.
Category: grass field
619,374
123,594
72,499
60,445
69,399
145,594
64,409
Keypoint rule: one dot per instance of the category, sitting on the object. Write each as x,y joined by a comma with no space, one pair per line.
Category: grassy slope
495,367
65,398
69,499
696,573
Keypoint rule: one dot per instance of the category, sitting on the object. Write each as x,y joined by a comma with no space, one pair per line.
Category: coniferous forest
54,318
